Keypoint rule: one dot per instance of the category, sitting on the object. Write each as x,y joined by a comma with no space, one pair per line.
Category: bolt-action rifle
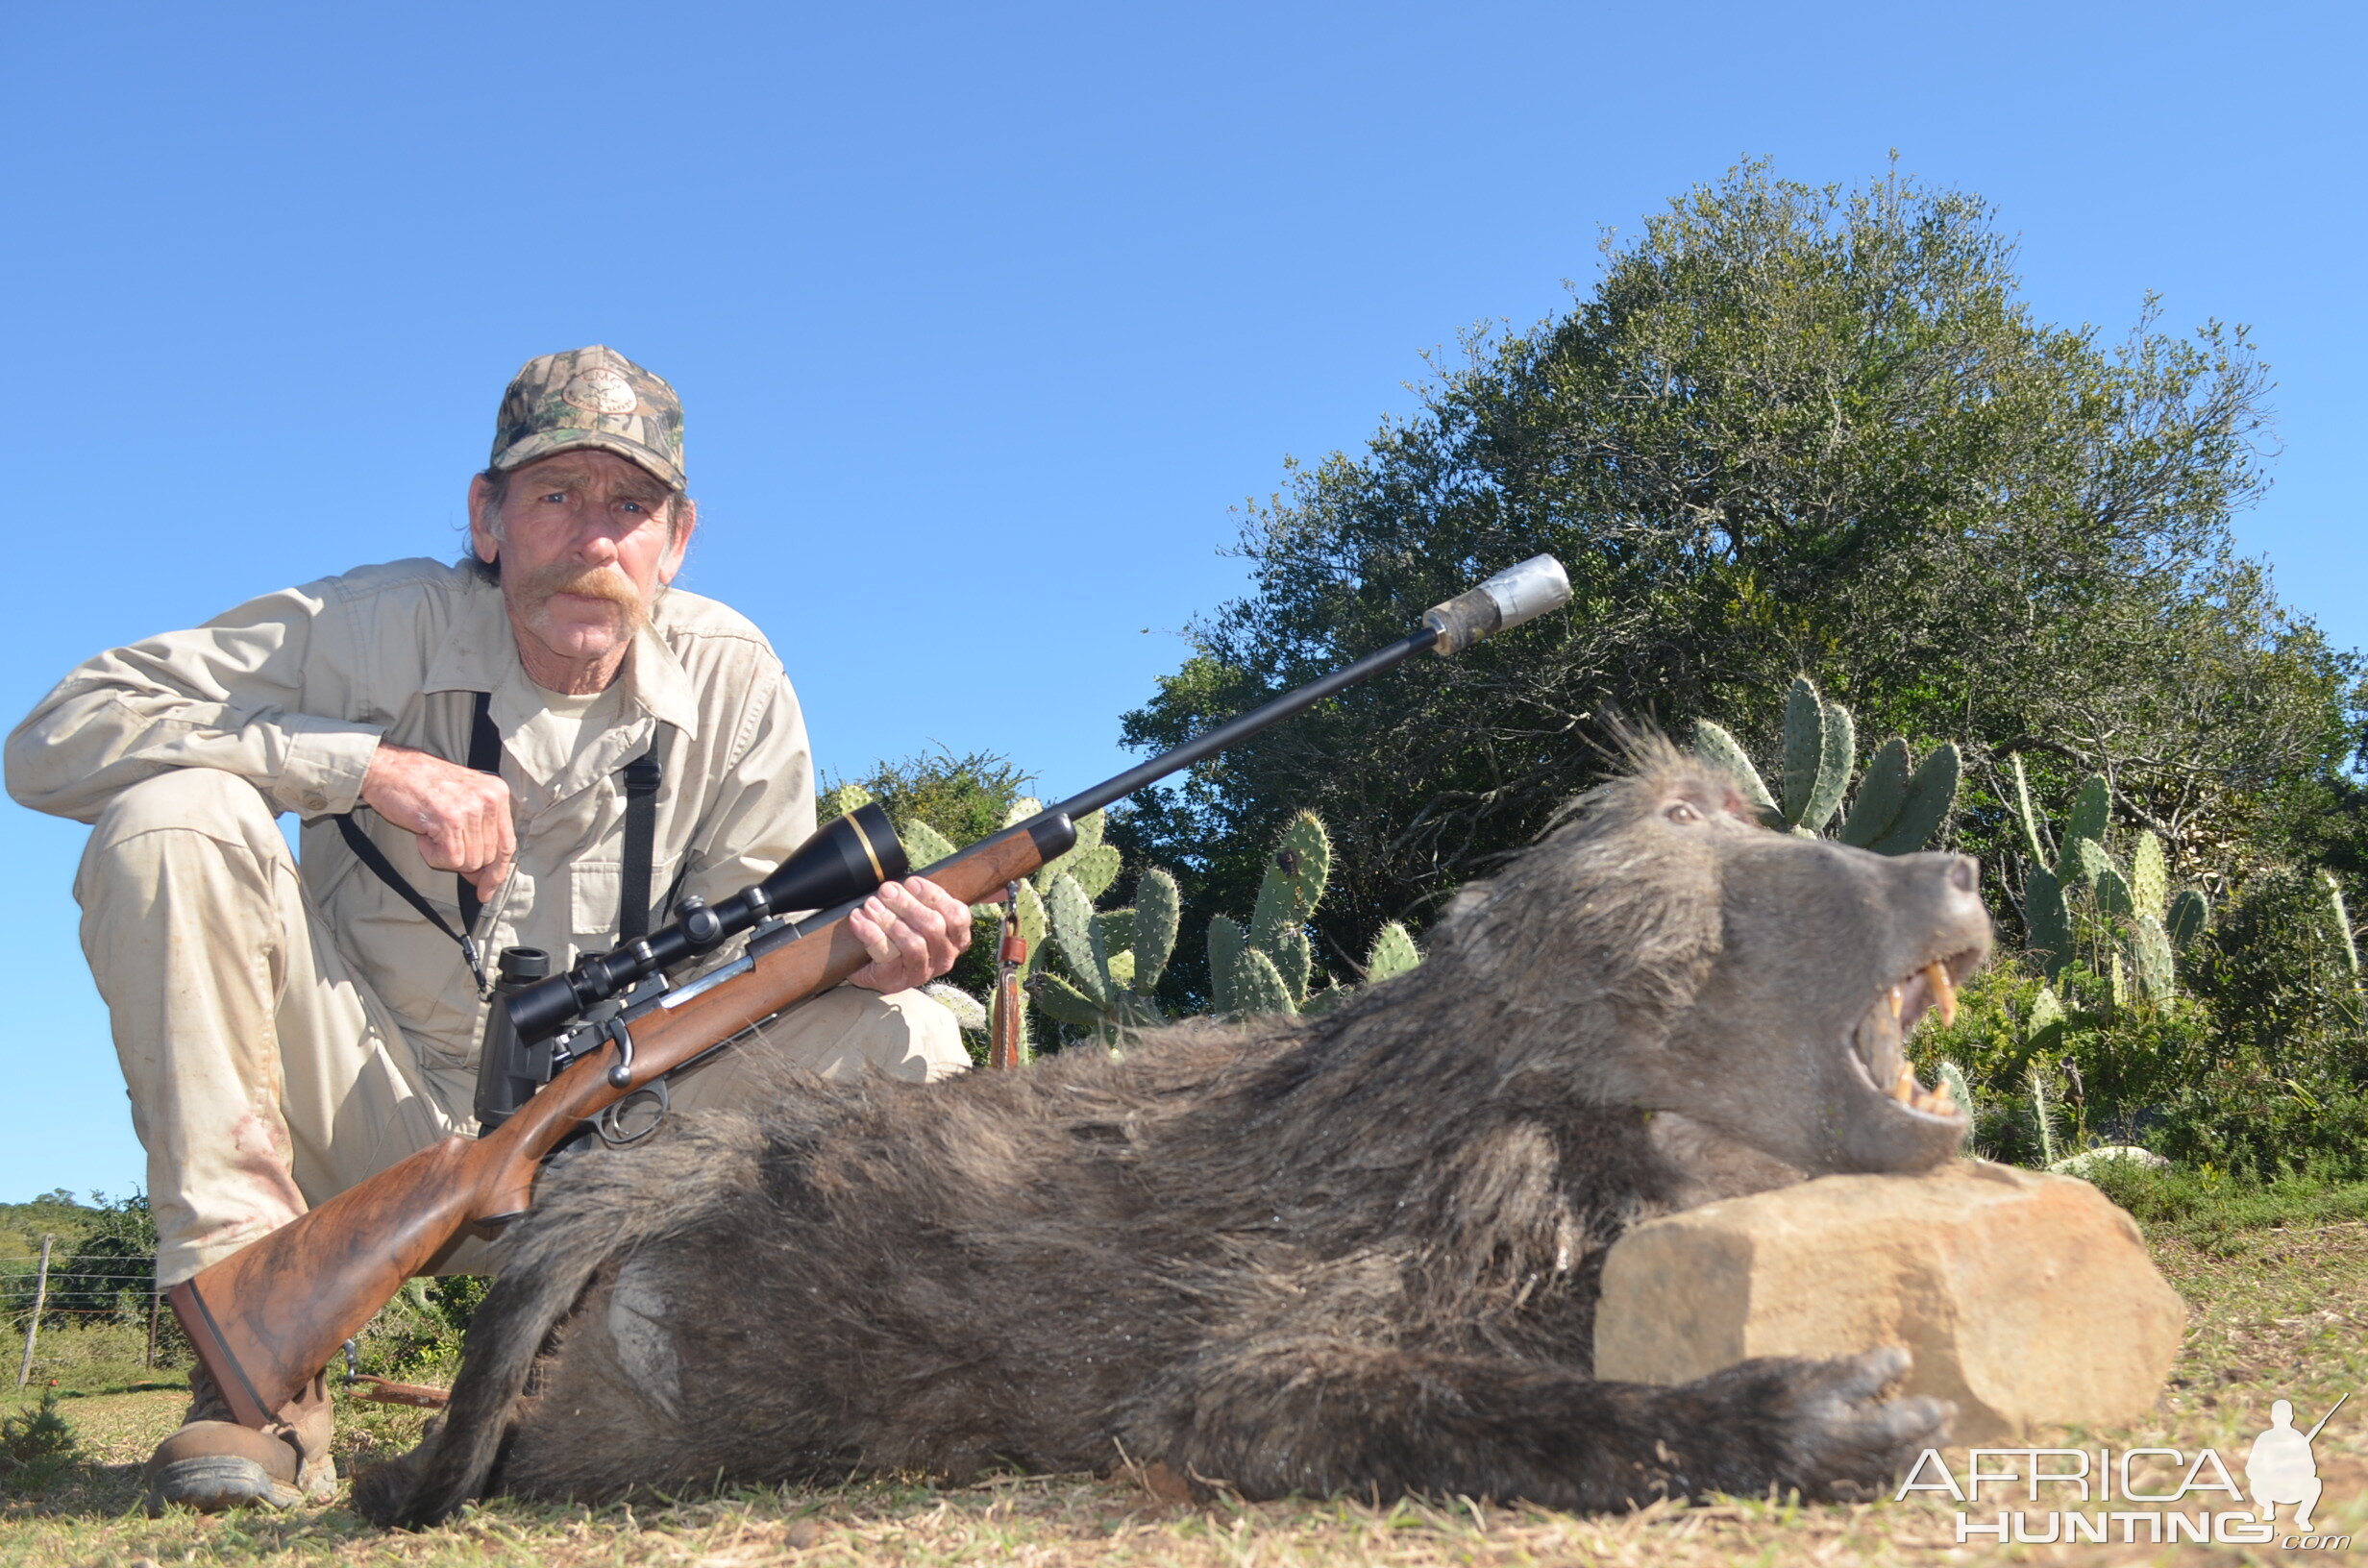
565,1050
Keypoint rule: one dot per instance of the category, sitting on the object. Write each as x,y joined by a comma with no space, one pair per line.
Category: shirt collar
479,654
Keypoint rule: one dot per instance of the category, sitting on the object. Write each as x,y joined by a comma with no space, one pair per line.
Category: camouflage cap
591,397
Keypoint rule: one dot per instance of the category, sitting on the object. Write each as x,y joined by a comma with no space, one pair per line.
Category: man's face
586,543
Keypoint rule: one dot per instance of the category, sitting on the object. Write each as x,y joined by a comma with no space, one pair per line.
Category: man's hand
461,817
913,929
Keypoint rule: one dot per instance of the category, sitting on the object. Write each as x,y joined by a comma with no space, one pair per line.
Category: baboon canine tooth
1944,994
1897,1003
1902,1088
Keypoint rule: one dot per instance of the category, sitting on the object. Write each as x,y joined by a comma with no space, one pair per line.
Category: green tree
1792,429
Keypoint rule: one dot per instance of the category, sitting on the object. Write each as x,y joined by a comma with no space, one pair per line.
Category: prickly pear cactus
2150,954
1259,987
1158,907
839,801
1393,952
1225,945
1932,789
2047,920
1894,812
2190,912
2150,878
1722,751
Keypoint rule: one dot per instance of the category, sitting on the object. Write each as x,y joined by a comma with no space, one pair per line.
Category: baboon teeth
1898,1002
1904,1089
1944,994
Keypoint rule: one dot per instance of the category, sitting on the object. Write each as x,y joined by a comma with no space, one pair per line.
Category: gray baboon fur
1356,1252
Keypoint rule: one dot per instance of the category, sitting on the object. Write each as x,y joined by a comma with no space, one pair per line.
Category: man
288,1029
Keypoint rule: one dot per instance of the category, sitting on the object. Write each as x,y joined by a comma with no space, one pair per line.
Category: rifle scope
845,859
853,854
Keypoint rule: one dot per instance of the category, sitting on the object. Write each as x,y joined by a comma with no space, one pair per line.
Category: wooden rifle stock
268,1317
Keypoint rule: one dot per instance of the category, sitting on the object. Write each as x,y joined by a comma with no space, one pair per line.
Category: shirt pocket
595,890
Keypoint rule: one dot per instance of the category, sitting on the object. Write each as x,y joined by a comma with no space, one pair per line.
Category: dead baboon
1354,1253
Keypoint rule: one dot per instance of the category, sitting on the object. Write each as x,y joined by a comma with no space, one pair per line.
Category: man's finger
870,922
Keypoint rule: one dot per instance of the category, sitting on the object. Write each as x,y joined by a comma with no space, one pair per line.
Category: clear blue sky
985,317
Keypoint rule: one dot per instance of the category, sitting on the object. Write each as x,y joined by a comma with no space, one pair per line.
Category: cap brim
544,443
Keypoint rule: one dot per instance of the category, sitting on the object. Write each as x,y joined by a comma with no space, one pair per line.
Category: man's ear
685,518
481,521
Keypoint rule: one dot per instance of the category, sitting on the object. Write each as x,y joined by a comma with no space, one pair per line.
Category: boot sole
214,1482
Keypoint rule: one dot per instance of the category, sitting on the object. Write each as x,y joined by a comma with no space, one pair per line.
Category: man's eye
554,498
631,506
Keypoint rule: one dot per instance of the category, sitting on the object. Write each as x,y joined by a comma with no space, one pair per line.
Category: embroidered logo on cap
599,390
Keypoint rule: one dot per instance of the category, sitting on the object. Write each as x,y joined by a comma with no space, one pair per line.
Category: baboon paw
1849,1441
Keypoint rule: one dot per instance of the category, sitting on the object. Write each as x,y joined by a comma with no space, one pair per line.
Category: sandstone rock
2027,1298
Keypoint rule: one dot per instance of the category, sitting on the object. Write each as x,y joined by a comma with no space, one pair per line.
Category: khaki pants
264,1074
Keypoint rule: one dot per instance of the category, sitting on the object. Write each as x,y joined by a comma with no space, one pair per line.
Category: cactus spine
1894,812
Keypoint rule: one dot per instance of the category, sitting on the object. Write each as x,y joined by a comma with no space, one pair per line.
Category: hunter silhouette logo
2154,1496
2279,1467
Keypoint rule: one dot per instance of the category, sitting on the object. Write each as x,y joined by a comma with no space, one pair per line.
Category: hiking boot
213,1463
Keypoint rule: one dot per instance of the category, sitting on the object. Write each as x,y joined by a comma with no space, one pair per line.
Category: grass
2278,1293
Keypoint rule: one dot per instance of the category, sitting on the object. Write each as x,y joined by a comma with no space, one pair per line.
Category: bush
35,1444
416,1337
2260,1073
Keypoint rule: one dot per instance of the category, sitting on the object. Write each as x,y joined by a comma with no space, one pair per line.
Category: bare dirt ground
2277,1314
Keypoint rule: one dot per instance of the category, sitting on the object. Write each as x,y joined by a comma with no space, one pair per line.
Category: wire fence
123,1289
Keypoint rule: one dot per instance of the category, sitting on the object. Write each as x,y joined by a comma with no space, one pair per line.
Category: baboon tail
508,1332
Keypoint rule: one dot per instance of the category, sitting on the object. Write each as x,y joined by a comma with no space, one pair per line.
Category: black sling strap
643,777
484,757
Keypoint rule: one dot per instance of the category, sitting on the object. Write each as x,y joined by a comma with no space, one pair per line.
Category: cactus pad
1720,750
2031,836
2046,920
1880,793
2150,954
1158,907
924,844
2150,878
1072,933
1393,952
1932,790
1295,960
2090,812
2046,1013
1064,1002
2190,912
2085,863
1803,747
1834,761
2113,892
1258,987
1225,946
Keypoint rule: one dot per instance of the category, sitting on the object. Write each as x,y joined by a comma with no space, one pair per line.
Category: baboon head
1665,950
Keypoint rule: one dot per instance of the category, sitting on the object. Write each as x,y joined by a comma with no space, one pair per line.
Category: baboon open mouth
1876,1044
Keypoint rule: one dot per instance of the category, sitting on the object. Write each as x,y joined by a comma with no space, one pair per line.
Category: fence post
154,1297
33,1324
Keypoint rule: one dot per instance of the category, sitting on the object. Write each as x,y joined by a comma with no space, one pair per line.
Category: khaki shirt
293,691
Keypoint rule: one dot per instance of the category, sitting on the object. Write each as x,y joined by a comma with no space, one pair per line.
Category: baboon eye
1683,812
